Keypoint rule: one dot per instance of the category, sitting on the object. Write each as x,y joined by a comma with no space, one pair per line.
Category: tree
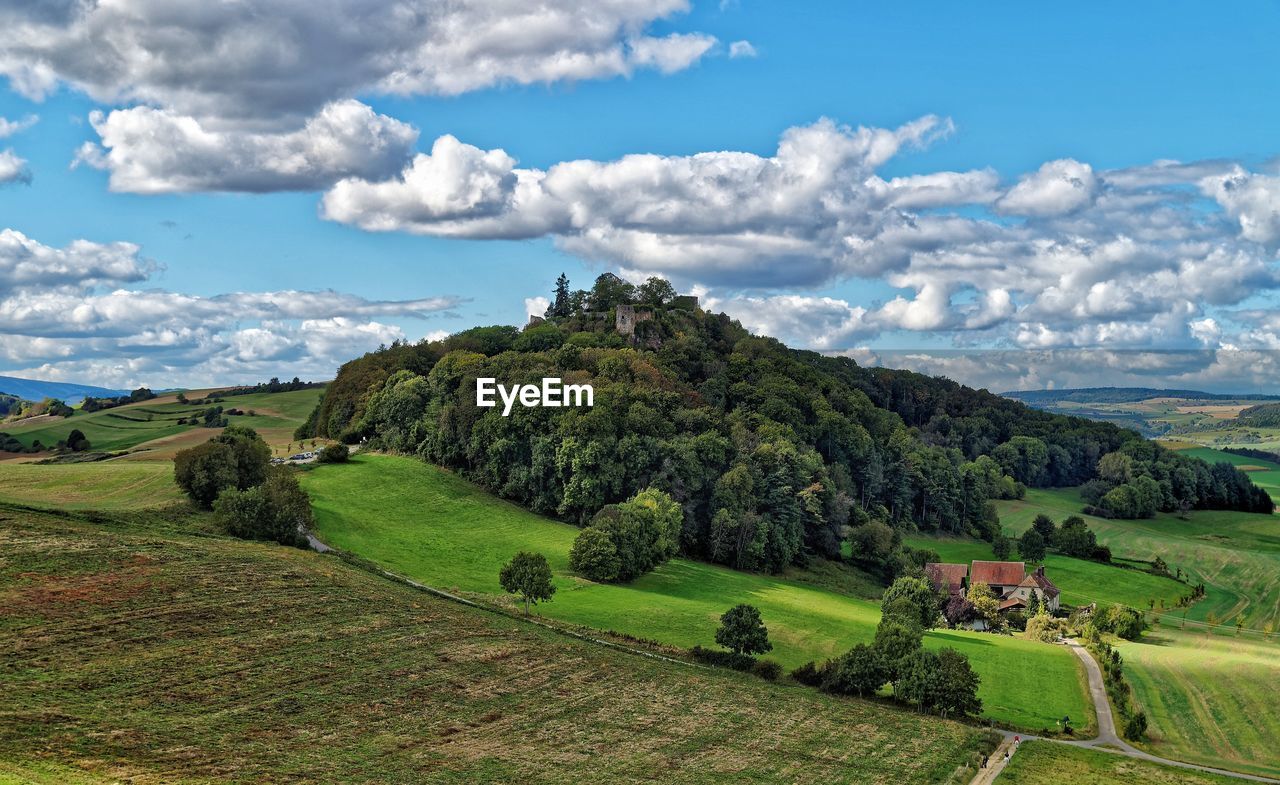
921,601
252,455
655,291
1074,538
1044,524
76,441
895,642
611,291
985,604
277,510
595,556
645,531
859,671
204,470
1033,604
560,306
1031,545
1001,546
529,575
956,685
742,632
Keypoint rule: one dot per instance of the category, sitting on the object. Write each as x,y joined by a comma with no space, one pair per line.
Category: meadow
1046,763
134,425
1207,698
140,653
105,485
428,524
1081,581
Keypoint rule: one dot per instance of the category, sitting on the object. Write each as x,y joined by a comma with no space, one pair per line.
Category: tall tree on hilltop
561,306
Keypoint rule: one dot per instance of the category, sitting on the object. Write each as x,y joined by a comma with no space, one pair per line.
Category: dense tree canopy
770,456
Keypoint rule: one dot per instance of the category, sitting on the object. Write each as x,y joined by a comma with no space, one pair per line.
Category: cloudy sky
1016,196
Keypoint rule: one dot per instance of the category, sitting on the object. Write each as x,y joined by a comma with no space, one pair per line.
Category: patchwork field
1046,763
428,524
1263,473
1207,697
138,424
137,654
1081,581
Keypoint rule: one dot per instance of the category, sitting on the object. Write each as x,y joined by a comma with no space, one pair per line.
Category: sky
1017,196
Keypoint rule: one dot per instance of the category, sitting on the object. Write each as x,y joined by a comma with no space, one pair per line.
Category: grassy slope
1210,698
1205,696
141,653
426,523
1081,581
126,427
1268,477
1046,763
107,485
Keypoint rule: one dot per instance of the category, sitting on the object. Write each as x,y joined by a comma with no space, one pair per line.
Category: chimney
1040,571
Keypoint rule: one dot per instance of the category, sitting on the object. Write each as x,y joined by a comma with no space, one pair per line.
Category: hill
1121,395
35,390
137,651
776,456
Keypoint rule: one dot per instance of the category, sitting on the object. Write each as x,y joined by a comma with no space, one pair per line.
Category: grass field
1236,555
134,425
1264,474
1046,763
428,524
137,654
106,485
1081,581
1210,698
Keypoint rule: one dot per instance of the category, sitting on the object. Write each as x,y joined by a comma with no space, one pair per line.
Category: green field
1265,474
1081,581
138,654
1046,763
127,427
105,485
1236,555
428,524
1210,698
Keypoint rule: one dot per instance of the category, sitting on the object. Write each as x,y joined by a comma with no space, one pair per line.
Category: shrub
334,453
860,671
277,510
723,659
203,471
768,670
808,674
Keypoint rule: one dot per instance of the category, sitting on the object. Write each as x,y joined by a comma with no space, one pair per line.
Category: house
1010,581
949,578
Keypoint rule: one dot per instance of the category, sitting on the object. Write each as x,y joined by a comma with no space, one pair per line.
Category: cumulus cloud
13,169
1057,188
150,150
742,49
536,306
80,307
1253,200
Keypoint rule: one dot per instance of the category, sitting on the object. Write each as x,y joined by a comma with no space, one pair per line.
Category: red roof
1044,583
998,573
1013,602
946,576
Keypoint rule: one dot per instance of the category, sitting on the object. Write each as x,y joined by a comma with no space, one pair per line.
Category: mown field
425,523
1081,581
1046,763
105,485
136,652
1210,697
128,427
1265,474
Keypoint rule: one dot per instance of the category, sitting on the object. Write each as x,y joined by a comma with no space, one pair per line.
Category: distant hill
36,390
1122,395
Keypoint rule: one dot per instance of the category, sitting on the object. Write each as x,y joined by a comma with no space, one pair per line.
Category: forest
774,455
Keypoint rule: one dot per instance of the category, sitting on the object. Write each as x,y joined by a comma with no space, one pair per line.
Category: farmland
1203,695
1045,763
138,424
143,654
427,524
107,485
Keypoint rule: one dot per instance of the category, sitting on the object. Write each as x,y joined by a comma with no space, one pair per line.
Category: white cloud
536,306
742,49
155,151
74,307
10,127
13,169
1251,199
1057,188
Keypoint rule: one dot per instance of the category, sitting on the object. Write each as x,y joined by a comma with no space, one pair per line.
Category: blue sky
1014,87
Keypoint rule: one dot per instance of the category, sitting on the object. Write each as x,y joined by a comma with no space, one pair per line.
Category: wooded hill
774,454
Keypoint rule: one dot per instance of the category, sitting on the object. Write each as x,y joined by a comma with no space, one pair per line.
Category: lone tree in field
1031,545
742,632
528,575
